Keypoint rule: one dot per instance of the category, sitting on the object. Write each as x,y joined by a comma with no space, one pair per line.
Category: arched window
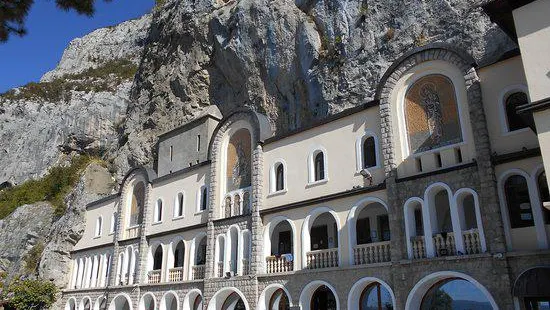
544,195
203,198
86,305
169,302
239,163
157,258
279,301
375,297
372,224
136,208
220,254
518,202
113,223
512,102
147,302
279,177
200,255
178,210
158,211
323,299
99,226
319,166
431,114
233,302
103,303
179,254
369,153
454,293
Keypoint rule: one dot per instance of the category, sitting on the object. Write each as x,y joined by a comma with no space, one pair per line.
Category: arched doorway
532,288
233,302
121,302
320,239
279,300
147,302
323,299
71,304
375,297
169,302
454,293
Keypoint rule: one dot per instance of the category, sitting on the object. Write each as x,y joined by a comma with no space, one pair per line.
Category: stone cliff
295,61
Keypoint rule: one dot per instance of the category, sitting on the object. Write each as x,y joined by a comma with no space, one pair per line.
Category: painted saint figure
432,107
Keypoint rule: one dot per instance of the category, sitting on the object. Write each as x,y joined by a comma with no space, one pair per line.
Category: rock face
295,61
125,40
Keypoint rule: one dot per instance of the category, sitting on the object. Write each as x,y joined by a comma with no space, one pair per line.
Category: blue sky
49,30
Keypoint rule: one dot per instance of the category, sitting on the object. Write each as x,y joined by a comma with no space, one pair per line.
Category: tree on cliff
14,12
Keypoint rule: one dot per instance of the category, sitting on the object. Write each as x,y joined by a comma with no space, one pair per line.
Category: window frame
179,205
98,227
199,199
311,166
157,218
507,92
359,142
273,178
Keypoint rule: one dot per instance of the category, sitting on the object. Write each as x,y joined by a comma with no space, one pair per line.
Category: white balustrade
472,243
198,272
418,247
370,253
175,274
246,266
220,269
154,276
132,232
322,259
444,245
277,264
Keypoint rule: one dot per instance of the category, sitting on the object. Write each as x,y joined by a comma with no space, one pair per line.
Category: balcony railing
278,264
322,259
175,274
371,253
246,266
220,269
237,202
444,244
198,272
418,247
154,276
472,242
132,232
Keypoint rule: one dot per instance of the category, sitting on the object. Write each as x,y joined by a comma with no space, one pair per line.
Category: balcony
153,276
198,272
444,244
132,232
372,253
175,274
219,270
472,242
246,266
276,264
418,247
322,259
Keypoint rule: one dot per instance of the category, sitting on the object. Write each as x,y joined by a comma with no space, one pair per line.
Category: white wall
338,138
105,210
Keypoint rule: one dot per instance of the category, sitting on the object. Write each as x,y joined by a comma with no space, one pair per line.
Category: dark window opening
512,102
279,178
319,166
519,204
369,153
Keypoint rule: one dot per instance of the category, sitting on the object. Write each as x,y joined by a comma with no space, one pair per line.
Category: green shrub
53,187
30,294
32,259
103,78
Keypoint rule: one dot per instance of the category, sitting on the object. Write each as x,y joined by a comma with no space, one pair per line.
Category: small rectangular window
418,162
198,143
438,161
171,153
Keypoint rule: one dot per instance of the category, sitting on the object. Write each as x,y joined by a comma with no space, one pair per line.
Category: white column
80,273
89,268
74,274
457,229
538,215
95,268
428,234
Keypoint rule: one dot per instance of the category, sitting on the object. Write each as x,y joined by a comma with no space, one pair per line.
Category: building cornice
436,172
514,156
175,231
180,172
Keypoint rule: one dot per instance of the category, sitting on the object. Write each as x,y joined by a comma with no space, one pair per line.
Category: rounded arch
359,150
414,300
357,289
147,297
173,256
268,231
179,205
311,158
306,228
158,212
189,299
71,304
101,303
351,220
122,301
503,97
167,301
458,197
410,224
309,290
99,226
429,215
265,296
233,249
273,176
216,302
